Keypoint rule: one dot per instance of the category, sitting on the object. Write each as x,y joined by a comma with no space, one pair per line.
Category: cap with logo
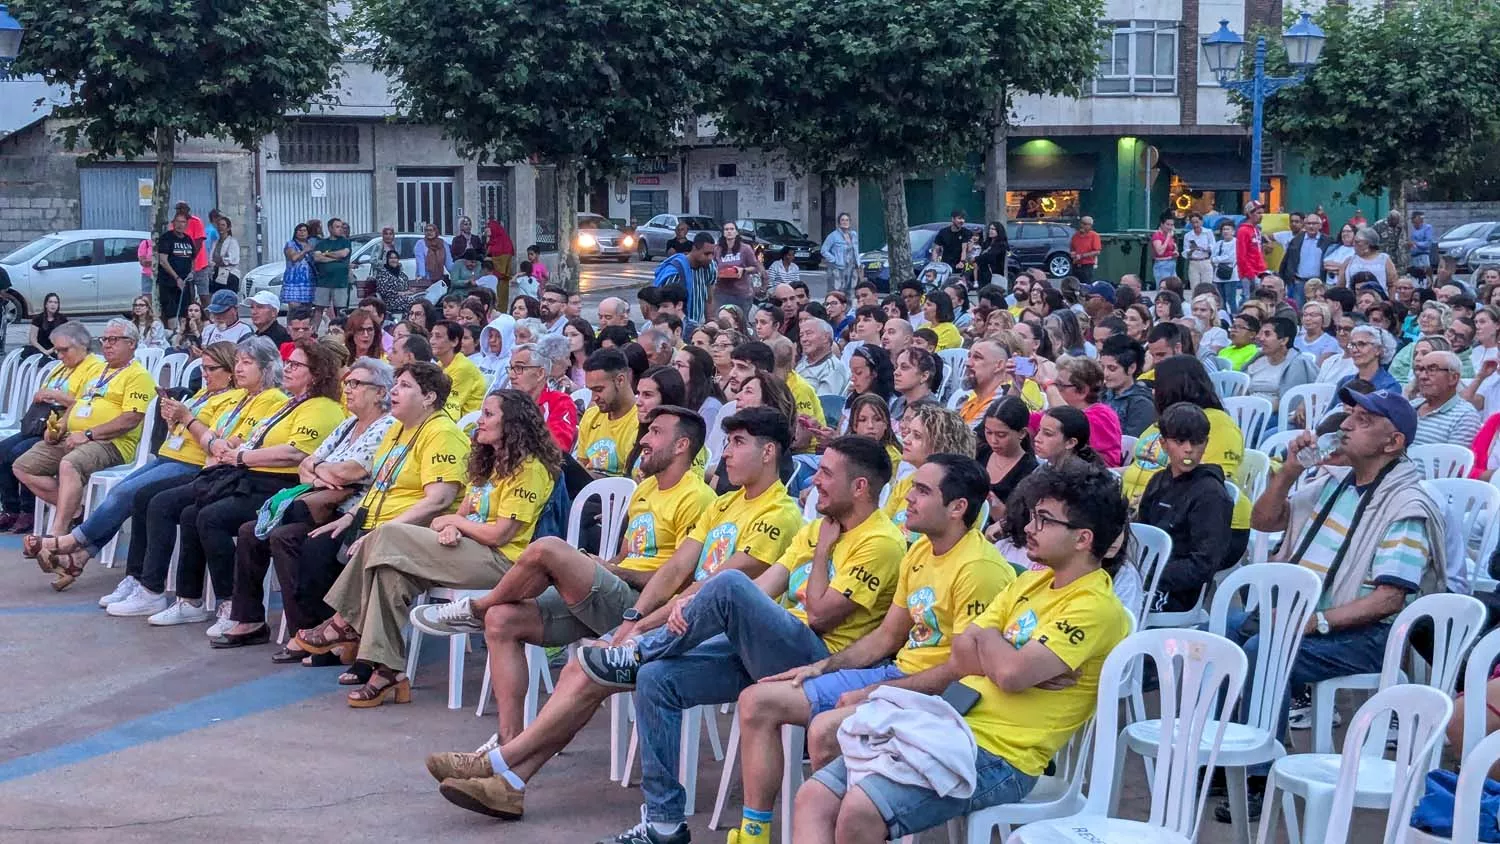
1387,404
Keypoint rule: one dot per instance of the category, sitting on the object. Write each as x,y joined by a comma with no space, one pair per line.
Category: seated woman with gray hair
101,430
333,478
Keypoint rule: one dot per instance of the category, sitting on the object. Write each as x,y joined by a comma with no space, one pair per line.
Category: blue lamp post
1223,51
10,40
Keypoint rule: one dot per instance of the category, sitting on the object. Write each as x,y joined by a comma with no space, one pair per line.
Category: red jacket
1481,446
562,418
1249,257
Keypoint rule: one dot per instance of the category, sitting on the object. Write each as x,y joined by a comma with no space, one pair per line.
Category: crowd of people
970,530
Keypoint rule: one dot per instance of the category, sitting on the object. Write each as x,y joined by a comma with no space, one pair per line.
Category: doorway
721,205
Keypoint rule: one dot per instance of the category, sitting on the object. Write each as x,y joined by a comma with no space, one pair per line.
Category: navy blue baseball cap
1391,405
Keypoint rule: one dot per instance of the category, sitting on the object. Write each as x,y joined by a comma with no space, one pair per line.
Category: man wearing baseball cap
1249,251
1374,536
264,308
224,319
1102,289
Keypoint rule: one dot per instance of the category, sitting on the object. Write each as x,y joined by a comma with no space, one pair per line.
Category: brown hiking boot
459,765
491,796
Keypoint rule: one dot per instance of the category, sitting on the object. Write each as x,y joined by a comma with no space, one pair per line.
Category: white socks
497,763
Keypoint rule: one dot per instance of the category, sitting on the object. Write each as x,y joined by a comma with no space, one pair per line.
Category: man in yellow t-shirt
608,429
1031,663
946,580
556,594
837,576
467,393
739,535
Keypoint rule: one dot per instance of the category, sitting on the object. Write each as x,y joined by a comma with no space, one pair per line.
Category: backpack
553,520
673,269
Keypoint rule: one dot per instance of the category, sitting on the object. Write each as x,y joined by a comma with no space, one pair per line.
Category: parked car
598,237
651,239
771,236
1043,245
1460,242
876,263
1484,256
94,271
362,261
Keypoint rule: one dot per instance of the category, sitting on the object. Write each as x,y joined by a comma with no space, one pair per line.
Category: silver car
93,271
597,237
652,238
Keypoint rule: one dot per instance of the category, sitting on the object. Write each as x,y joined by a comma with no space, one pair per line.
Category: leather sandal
326,636
391,684
33,544
68,566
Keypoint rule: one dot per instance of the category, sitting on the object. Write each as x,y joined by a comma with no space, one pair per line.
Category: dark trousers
141,511
207,541
305,567
1084,273
14,496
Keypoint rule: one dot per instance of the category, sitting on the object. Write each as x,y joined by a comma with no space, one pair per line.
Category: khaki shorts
44,459
332,297
595,615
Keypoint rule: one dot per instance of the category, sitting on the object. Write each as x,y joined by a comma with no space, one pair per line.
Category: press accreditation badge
84,410
175,443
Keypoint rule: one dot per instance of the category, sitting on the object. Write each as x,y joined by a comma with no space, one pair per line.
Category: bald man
614,311
786,296
896,336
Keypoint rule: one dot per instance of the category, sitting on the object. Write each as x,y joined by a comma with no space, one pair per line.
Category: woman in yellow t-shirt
1183,378
512,468
938,311
928,429
180,457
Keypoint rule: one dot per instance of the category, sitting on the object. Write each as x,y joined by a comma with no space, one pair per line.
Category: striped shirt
1399,559
1455,422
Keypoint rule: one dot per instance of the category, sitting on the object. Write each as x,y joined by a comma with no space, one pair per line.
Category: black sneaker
615,667
644,834
1253,801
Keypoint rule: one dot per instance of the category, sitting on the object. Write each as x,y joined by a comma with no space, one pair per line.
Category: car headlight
586,240
627,241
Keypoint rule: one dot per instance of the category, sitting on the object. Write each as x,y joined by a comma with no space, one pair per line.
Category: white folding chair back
1152,548
1457,621
468,422
955,364
713,443
1467,795
1363,780
1314,399
193,367
1275,445
1201,676
1471,512
1442,460
810,506
956,400
170,373
614,500
1476,677
582,398
149,357
1127,449
1228,383
1251,413
1253,473
9,395
18,394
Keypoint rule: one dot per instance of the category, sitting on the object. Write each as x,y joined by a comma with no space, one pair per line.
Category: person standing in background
331,267
1085,247
1303,261
197,279
1198,247
841,250
145,253
501,251
680,244
465,240
175,252
1249,250
1164,249
1423,246
225,256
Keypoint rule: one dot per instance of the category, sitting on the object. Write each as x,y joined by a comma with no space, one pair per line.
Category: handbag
1224,272
217,482
34,422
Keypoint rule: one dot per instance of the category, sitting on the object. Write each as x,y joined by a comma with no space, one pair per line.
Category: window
306,142
79,253
120,251
728,171
1138,57
778,190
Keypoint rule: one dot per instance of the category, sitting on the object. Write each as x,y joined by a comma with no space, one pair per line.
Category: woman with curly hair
511,469
926,429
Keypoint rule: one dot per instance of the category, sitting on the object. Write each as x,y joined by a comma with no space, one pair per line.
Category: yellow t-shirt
520,497
806,399
864,566
604,443
658,519
762,527
895,504
1225,449
948,336
403,468
74,381
110,393
944,593
468,387
1080,623
894,452
206,408
303,428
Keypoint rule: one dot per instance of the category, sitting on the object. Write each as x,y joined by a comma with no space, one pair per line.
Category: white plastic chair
1228,383
1283,598
1251,413
1442,460
1457,621
958,398
169,373
1275,445
1476,678
468,421
1472,511
1201,677
102,482
810,506
582,398
149,357
1466,796
1332,786
1253,473
955,364
193,367
713,443
9,395
1153,546
1127,449
23,385
1314,399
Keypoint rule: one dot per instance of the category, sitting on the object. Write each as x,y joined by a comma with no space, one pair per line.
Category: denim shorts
823,692
909,809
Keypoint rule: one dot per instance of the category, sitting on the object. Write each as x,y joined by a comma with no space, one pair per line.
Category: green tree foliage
576,83
144,74
1403,91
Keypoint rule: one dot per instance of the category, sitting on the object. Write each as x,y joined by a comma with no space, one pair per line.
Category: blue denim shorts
823,692
909,809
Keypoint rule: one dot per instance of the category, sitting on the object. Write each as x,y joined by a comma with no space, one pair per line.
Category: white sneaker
122,591
181,612
493,743
141,601
224,622
449,619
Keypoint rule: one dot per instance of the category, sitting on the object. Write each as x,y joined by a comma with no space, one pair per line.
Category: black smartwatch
631,614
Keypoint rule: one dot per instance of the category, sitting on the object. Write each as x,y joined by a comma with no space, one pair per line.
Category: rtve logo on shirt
307,431
870,579
447,460
765,527
141,396
1075,634
526,494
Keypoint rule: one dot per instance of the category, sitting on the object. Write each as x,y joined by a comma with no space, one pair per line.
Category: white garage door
293,198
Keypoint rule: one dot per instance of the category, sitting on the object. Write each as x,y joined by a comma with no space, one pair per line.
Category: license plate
873,265
801,253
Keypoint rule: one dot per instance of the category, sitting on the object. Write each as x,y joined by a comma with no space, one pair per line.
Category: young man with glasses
554,306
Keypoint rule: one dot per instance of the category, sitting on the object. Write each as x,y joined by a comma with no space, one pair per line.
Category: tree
1402,91
577,83
861,89
144,74
1048,47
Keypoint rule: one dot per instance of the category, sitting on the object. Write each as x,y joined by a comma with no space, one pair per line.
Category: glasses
294,364
1040,520
351,383
1361,344
369,329
108,339
522,367
1431,370
725,346
1343,329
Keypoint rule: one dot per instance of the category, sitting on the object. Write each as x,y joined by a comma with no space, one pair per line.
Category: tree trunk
567,223
893,196
996,176
161,183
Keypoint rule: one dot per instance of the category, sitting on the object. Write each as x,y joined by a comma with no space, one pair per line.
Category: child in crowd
525,284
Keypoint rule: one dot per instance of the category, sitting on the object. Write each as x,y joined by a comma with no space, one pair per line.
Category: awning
1050,172
1210,171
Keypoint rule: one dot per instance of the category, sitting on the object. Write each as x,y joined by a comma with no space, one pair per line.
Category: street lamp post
1223,51
10,40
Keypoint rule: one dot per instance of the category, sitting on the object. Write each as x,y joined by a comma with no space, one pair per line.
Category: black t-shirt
676,245
44,329
179,249
277,334
953,245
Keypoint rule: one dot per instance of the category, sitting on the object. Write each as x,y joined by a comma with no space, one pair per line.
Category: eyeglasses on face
1040,520
351,383
294,364
522,367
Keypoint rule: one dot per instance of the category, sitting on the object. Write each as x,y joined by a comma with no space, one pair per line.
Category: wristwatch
631,614
88,434
1322,621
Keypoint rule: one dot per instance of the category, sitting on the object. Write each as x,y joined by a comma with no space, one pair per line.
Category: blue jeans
15,498
107,518
735,636
1229,292
1355,650
1163,269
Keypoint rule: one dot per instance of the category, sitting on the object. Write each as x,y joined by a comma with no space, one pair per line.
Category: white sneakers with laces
141,601
452,618
224,623
122,591
180,612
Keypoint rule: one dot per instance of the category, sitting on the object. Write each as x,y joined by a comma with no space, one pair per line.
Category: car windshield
699,223
776,228
31,250
1468,230
587,222
918,240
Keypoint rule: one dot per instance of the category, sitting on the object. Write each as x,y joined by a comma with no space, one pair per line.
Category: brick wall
1445,215
38,188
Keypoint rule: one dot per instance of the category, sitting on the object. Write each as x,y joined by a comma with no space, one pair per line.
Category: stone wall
1446,215
38,188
